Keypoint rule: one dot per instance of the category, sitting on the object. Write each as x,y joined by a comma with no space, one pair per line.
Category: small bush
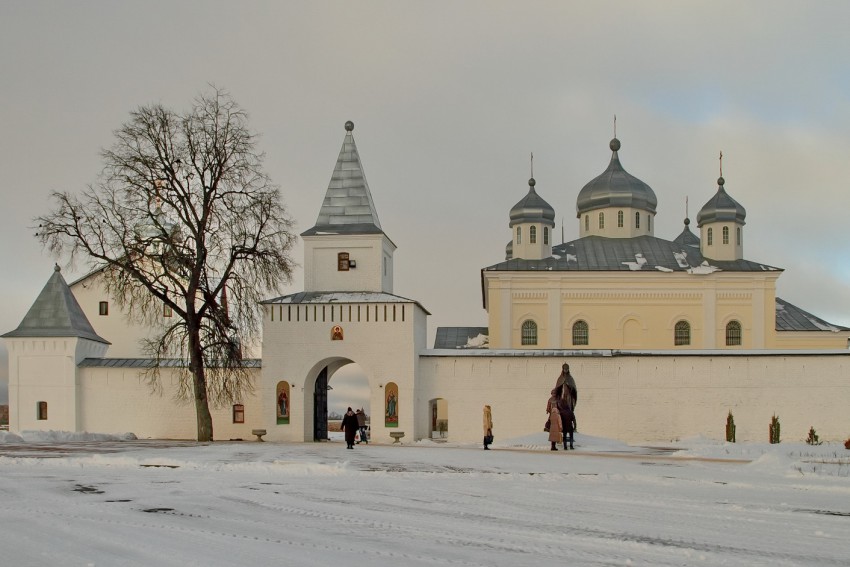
773,430
730,428
812,439
847,443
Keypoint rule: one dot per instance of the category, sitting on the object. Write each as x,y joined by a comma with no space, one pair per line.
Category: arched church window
637,220
532,235
581,333
586,223
619,219
738,236
519,235
733,333
725,235
601,221
529,333
682,333
282,402
648,223
710,236
546,235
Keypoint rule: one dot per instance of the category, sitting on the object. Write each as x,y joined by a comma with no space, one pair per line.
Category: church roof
319,297
687,238
642,253
721,207
615,187
460,337
532,208
792,318
56,313
348,207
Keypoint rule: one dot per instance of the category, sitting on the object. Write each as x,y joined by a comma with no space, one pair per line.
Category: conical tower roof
687,238
56,313
532,208
615,187
721,207
348,207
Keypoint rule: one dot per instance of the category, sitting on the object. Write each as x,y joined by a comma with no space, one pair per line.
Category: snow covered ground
111,500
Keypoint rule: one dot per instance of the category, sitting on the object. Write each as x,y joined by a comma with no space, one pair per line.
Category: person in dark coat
568,421
361,425
566,386
350,426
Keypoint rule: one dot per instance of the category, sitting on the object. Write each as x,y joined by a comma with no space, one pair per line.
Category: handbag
546,427
488,439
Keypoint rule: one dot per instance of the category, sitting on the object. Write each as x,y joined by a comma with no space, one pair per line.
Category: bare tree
184,216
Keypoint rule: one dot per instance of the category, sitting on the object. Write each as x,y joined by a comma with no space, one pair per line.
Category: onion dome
532,209
687,238
509,250
615,187
721,208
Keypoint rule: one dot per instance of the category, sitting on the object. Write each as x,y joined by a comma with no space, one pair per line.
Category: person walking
555,425
361,425
488,427
349,426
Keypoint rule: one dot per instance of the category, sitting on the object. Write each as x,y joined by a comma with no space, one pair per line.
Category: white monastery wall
645,397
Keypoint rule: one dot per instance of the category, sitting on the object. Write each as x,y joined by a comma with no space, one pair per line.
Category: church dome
615,187
721,208
532,209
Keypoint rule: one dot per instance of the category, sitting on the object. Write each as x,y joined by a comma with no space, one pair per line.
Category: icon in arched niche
391,408
282,403
336,333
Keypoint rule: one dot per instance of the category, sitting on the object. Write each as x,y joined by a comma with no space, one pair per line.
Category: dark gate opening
320,407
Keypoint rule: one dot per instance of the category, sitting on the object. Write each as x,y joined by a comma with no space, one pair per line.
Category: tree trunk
199,386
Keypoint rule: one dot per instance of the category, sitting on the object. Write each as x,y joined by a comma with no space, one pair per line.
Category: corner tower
616,204
346,250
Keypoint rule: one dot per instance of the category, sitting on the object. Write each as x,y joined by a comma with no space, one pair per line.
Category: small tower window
581,333
637,220
725,235
342,262
709,236
619,219
601,221
166,311
648,223
733,333
532,235
519,235
586,223
738,236
529,333
682,334
238,413
546,235
41,411
103,308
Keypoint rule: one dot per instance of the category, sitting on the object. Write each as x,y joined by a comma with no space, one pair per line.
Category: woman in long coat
555,434
488,426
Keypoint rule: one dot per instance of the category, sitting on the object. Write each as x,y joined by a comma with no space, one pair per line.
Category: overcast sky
448,100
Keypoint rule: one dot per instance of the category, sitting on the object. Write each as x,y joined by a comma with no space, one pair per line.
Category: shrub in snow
774,429
847,443
730,428
812,439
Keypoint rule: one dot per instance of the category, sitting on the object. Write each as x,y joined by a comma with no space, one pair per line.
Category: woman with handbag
488,428
555,427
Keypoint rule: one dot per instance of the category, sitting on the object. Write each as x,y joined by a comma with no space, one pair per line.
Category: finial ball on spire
349,126
532,182
614,145
56,268
721,181
687,221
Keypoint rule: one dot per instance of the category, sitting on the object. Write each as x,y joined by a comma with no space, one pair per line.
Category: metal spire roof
56,313
348,207
687,238
532,208
721,207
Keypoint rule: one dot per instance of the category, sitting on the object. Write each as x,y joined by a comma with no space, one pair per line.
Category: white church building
664,337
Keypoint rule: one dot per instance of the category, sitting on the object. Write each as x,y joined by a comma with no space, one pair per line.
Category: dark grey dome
532,208
721,207
615,188
509,250
687,238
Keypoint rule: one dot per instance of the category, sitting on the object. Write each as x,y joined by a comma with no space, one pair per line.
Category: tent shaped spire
348,207
56,313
